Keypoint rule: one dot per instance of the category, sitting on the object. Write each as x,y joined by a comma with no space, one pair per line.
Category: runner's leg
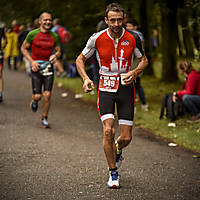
48,85
46,103
108,142
125,136
36,86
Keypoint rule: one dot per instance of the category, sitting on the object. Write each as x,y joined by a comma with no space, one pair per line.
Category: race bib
108,83
45,68
47,71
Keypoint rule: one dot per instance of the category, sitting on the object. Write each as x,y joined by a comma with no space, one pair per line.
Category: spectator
11,50
65,37
36,23
190,95
154,43
20,41
3,43
21,37
132,27
15,26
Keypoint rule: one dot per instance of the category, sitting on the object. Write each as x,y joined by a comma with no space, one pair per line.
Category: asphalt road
67,162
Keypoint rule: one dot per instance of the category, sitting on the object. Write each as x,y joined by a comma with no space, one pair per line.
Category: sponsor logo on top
125,43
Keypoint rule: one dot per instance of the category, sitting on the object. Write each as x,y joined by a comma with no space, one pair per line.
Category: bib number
108,83
47,71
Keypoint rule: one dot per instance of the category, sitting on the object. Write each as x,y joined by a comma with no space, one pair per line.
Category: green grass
75,85
184,134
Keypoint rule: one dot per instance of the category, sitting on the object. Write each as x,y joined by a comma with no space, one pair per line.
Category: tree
145,18
169,40
184,19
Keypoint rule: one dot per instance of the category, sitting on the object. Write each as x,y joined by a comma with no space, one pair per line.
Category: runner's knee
126,139
108,132
47,95
37,97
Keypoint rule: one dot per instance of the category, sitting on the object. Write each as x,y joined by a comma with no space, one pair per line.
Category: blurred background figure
15,26
36,23
65,37
21,37
11,50
3,43
154,42
132,26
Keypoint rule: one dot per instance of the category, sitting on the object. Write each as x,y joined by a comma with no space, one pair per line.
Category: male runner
42,42
2,36
115,48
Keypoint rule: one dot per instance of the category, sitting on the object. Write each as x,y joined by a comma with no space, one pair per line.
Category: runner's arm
88,85
134,73
141,66
56,55
24,49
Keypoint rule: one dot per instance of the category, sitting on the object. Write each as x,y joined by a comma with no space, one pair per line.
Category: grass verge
183,134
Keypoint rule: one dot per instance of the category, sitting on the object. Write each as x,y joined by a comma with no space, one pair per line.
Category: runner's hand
52,58
88,85
35,66
130,77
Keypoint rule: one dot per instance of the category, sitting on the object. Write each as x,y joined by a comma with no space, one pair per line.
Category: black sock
112,170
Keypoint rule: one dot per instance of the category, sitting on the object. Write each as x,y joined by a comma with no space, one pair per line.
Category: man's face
114,21
130,27
46,21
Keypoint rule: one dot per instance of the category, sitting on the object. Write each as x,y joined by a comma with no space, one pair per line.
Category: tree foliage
81,18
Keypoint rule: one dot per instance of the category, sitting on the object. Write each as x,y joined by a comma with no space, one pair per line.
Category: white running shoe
45,123
113,181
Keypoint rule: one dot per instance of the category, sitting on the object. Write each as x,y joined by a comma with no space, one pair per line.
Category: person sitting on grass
190,95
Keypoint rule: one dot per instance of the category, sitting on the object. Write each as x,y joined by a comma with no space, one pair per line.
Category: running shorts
38,80
124,99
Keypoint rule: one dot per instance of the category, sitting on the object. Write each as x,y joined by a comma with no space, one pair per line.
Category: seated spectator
190,95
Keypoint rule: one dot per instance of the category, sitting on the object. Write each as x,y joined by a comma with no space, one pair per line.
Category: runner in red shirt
42,42
115,48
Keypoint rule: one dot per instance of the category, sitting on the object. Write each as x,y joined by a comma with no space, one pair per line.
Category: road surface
67,162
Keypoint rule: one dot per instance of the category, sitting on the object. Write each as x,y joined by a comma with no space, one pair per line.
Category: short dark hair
133,22
115,7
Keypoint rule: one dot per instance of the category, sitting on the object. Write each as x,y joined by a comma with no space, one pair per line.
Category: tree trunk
169,42
145,19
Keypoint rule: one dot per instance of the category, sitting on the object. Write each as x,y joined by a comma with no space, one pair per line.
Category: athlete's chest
43,41
109,49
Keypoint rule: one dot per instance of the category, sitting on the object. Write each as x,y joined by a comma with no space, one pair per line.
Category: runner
115,48
42,42
2,36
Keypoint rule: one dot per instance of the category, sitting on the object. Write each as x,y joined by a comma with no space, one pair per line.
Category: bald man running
42,43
